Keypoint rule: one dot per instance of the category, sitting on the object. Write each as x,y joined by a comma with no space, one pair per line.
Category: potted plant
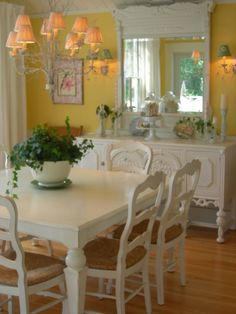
48,154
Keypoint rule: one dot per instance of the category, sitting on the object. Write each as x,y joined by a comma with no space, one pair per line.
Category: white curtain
12,86
141,70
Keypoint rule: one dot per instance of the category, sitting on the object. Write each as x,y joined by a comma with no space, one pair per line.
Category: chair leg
109,286
35,242
120,295
182,262
24,302
11,309
146,286
65,306
171,260
160,277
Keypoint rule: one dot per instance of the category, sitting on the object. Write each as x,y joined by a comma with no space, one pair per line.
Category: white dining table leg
75,274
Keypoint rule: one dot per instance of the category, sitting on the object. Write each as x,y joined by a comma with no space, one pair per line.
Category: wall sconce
227,65
105,56
91,57
196,56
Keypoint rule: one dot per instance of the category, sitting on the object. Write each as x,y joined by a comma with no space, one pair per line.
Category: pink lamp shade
196,56
25,35
93,36
22,20
45,29
71,41
56,21
80,25
11,41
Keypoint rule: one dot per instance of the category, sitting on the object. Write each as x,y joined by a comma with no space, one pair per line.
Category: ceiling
36,7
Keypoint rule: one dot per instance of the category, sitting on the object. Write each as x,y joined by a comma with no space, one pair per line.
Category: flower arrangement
184,128
103,111
187,127
45,144
115,114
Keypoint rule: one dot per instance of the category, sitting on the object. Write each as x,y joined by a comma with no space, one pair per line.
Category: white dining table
94,201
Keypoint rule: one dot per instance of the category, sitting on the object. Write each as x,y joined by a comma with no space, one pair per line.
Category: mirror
158,66
170,34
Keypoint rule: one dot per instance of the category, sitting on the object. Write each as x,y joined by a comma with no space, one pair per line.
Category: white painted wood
22,290
135,217
95,201
216,187
175,213
175,20
129,156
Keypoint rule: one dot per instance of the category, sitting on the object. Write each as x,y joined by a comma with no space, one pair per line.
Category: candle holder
223,124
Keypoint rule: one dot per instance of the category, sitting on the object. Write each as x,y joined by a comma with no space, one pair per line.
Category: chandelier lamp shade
196,56
32,55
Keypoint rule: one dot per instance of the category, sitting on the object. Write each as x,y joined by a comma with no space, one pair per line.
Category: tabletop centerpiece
48,154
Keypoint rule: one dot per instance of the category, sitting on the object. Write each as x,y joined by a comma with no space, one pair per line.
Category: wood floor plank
211,280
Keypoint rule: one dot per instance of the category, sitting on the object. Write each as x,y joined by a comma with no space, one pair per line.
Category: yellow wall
97,89
223,25
102,89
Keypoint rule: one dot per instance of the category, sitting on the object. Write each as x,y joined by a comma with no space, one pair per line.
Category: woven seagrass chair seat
101,253
39,269
171,233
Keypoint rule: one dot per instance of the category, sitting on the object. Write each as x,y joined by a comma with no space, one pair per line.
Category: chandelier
31,55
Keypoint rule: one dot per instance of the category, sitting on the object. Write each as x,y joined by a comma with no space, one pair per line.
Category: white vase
101,131
52,172
116,126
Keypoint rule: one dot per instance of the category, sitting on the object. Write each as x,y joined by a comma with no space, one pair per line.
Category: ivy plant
45,144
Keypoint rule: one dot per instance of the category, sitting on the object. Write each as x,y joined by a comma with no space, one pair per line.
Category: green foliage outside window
191,74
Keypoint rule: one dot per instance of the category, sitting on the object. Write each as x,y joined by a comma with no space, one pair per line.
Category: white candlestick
223,103
214,121
223,125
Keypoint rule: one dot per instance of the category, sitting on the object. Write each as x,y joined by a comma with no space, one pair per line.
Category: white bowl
53,173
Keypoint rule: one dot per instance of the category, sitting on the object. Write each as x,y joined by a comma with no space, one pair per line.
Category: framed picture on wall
68,81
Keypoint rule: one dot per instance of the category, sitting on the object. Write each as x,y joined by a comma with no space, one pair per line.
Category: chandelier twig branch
43,56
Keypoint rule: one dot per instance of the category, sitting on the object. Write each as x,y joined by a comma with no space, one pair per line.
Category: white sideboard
217,184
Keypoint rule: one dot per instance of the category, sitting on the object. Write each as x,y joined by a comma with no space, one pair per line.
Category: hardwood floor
211,280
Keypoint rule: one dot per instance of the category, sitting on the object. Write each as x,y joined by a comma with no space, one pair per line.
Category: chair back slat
153,182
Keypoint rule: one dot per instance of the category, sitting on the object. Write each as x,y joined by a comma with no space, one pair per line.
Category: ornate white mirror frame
176,20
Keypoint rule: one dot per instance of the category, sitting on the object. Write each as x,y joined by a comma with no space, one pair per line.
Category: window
188,83
139,72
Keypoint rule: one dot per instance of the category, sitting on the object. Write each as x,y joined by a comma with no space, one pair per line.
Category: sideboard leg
221,223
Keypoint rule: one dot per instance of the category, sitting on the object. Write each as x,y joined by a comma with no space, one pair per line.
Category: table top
93,198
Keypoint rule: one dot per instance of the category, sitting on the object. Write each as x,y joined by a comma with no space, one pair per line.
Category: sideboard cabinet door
209,181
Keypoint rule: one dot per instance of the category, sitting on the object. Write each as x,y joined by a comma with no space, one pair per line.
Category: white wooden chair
22,273
169,230
35,241
129,156
119,259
